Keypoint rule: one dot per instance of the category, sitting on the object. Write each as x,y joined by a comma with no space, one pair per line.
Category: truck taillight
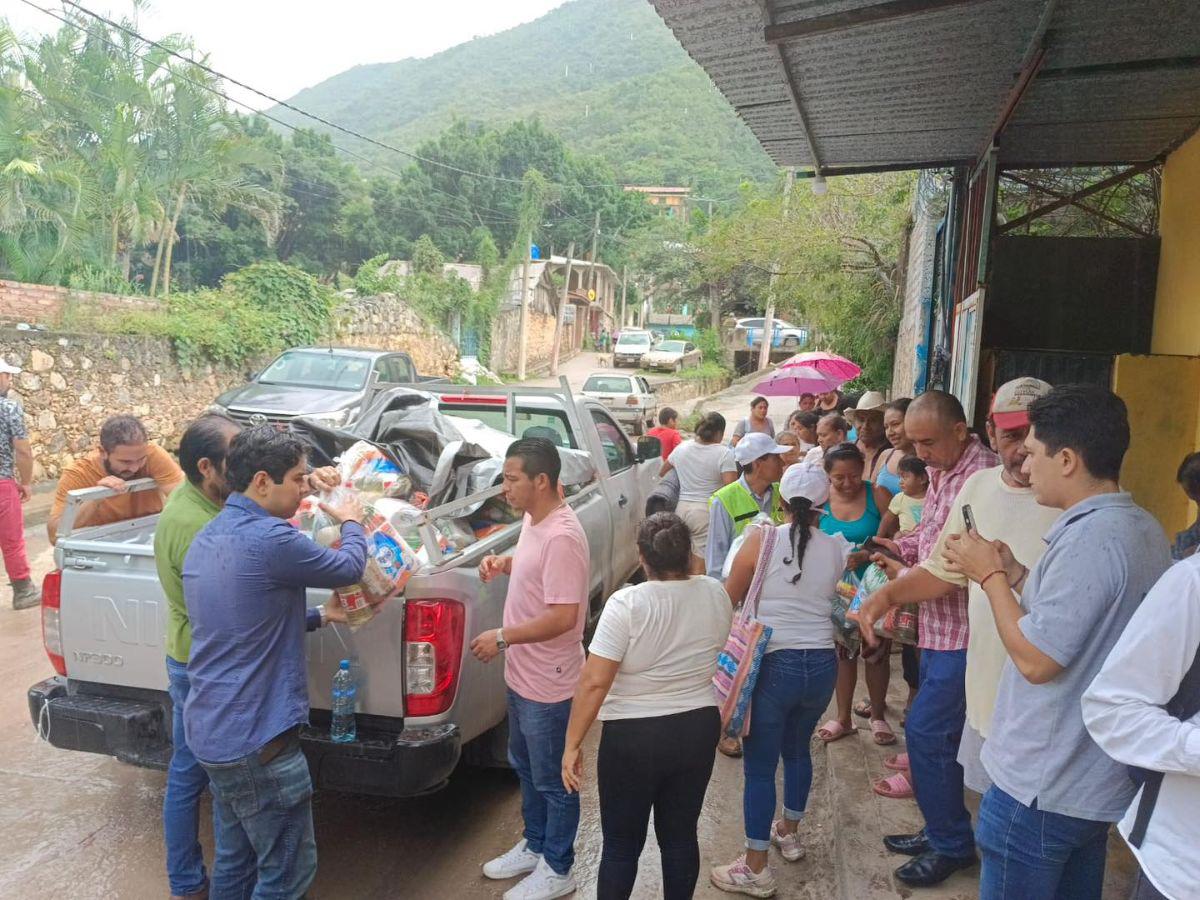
52,620
433,635
632,400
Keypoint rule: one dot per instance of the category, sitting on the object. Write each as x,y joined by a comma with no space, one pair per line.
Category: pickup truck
424,701
327,385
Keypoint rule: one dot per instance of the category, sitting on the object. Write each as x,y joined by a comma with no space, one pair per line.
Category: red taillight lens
52,620
433,635
631,400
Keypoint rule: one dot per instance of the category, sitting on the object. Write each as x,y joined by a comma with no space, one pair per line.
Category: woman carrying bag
649,677
798,567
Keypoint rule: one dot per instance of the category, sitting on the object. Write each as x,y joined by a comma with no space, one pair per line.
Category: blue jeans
932,732
537,736
186,781
1029,854
265,841
792,691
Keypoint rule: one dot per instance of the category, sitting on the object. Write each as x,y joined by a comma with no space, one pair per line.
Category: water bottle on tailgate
345,696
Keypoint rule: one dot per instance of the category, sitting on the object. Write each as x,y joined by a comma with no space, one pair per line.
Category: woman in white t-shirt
797,677
649,677
704,466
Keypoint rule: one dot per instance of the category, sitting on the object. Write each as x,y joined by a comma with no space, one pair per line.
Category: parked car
631,346
424,700
630,398
327,385
784,335
672,356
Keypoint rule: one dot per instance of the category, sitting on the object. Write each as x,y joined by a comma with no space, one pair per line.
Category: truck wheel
490,749
791,343
639,427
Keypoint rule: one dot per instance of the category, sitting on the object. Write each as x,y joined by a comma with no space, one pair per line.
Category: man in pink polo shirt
544,613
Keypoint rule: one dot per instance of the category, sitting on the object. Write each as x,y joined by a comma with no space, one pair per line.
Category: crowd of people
1057,646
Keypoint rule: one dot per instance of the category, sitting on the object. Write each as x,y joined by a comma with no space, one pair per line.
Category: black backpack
1184,705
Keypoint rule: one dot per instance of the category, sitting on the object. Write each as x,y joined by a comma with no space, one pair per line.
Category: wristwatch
501,643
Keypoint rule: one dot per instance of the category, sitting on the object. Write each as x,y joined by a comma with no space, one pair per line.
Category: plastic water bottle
345,694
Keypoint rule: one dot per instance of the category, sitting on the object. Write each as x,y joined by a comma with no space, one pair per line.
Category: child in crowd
667,431
904,512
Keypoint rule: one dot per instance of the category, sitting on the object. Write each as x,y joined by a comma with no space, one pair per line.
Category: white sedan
672,356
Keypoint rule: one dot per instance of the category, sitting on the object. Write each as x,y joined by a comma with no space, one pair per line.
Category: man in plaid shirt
937,426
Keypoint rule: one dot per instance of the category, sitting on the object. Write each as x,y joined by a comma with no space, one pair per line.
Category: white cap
756,445
6,369
809,482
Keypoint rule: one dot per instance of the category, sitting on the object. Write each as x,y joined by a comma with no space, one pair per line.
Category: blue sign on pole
535,252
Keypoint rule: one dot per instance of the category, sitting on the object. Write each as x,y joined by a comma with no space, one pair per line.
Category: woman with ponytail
797,676
649,678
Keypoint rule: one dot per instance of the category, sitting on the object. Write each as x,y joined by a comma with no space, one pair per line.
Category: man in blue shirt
244,582
1043,825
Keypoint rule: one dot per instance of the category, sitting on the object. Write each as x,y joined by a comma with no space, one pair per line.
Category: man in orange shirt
125,453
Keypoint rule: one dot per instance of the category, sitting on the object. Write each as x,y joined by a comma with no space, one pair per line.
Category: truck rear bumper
138,731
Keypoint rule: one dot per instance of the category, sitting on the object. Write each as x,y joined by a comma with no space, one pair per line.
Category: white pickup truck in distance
424,700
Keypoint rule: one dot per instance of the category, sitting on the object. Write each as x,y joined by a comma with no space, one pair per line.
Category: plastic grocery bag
368,470
760,519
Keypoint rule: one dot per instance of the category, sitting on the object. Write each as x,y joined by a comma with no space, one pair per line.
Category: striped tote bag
739,662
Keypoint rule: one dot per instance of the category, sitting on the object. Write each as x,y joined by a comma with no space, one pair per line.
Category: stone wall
506,340
72,382
385,322
46,304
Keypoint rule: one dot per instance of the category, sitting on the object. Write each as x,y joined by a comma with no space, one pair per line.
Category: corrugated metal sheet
929,87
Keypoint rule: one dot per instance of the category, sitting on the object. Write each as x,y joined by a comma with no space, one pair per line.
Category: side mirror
648,448
251,376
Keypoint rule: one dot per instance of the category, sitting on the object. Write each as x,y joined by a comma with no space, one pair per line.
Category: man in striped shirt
937,426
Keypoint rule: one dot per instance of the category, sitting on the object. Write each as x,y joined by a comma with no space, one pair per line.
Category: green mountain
607,75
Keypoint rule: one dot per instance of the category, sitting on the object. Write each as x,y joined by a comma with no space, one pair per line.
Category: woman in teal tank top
853,512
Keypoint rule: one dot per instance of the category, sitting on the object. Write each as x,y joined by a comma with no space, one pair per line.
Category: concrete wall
910,352
1177,305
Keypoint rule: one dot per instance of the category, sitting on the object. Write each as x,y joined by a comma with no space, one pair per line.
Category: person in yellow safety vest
756,491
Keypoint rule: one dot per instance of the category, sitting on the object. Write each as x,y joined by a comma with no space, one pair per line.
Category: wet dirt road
78,825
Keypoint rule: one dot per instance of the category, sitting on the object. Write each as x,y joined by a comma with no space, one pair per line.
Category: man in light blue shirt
1043,826
244,581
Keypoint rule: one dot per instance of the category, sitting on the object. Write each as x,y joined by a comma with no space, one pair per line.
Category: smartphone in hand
874,546
969,517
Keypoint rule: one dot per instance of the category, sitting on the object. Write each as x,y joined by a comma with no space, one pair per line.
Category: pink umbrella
838,369
796,380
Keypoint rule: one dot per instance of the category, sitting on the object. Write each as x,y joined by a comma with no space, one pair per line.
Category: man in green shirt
189,508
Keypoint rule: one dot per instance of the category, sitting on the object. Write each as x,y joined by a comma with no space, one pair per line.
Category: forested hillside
606,75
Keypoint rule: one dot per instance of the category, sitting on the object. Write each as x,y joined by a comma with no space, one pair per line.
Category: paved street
84,826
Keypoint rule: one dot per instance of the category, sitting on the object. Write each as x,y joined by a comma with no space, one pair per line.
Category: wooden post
591,279
764,353
624,279
562,311
523,331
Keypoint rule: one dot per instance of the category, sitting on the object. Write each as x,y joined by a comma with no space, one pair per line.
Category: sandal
882,732
897,763
894,787
833,730
862,708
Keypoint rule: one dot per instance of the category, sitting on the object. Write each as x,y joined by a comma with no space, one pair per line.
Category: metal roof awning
863,85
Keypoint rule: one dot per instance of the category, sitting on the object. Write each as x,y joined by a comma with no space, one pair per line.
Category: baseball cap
756,445
1010,406
6,369
809,482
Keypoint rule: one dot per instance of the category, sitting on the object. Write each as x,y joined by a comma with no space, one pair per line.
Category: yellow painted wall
1177,302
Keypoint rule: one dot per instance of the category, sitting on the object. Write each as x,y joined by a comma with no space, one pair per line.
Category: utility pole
714,297
523,331
624,279
591,280
764,353
562,311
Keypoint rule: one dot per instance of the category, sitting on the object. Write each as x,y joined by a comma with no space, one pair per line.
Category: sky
282,46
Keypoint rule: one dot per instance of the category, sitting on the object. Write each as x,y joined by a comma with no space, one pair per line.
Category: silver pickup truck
424,701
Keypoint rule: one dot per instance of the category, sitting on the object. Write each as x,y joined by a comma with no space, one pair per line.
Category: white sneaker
543,884
788,844
516,861
739,878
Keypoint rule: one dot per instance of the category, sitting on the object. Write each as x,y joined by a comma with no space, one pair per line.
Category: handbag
739,662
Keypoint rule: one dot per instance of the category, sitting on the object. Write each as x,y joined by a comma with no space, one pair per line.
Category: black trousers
910,665
661,763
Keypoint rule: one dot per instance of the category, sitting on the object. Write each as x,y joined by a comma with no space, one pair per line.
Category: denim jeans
792,691
537,736
265,840
186,781
1029,854
932,732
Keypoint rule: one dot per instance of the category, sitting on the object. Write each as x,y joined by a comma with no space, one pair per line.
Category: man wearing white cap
16,473
1004,509
736,505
